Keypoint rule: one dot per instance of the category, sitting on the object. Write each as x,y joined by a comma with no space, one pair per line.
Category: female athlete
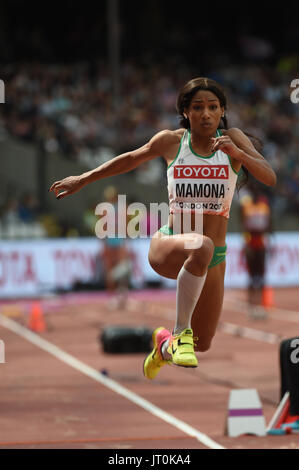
204,158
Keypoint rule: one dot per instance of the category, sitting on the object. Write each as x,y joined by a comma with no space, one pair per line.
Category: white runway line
278,313
109,383
250,333
228,328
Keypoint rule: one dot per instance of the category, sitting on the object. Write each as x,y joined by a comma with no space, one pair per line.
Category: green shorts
219,251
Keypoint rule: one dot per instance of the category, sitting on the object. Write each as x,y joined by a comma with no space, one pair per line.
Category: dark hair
184,99
188,91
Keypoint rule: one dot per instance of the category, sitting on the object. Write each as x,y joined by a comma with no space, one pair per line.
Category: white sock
164,352
189,288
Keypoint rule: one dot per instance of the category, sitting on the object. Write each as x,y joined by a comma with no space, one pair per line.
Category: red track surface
47,404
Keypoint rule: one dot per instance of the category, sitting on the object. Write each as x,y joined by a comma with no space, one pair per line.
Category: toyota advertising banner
36,267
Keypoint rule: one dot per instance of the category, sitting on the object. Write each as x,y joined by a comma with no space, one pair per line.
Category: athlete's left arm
239,147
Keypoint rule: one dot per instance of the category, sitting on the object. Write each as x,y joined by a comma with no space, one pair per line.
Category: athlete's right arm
123,163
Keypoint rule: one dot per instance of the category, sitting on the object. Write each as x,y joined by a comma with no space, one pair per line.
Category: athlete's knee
203,344
204,253
154,263
208,247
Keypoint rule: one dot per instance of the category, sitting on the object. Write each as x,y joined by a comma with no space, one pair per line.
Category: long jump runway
60,390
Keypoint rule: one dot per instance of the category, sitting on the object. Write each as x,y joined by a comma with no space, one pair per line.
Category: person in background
28,208
256,223
10,213
116,259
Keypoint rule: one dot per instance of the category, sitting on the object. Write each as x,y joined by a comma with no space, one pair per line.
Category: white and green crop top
203,184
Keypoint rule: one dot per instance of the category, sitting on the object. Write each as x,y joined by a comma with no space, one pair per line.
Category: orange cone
268,297
36,319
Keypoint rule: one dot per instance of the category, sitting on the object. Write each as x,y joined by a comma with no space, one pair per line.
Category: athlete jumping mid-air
204,159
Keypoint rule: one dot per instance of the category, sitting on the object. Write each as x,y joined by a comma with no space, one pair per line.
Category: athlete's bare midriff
213,226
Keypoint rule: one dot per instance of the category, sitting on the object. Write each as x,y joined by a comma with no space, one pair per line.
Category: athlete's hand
67,186
227,146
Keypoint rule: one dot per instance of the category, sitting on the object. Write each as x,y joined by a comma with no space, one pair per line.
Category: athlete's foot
154,361
181,348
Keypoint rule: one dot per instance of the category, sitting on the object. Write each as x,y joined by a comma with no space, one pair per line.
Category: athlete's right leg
174,257
168,253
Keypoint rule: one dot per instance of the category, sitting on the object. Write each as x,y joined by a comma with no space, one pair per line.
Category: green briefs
219,251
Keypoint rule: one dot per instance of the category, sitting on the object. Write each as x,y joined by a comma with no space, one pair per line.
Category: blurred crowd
19,217
23,217
71,109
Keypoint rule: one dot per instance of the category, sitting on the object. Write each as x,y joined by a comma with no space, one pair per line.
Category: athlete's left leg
207,312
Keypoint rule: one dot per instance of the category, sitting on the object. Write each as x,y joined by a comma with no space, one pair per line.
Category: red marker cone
268,297
36,319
